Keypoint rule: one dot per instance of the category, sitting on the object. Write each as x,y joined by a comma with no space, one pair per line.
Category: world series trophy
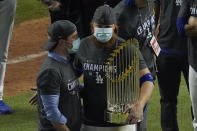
122,84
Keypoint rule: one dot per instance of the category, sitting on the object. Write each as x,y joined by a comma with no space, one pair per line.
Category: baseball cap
58,30
104,15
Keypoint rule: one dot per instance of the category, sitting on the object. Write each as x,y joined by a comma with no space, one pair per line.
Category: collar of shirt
58,57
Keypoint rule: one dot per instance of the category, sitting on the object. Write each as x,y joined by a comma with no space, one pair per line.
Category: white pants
7,13
119,128
193,94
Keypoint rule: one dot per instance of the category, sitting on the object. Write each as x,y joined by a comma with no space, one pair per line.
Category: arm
146,82
53,114
74,59
136,110
182,18
157,11
147,87
77,65
157,16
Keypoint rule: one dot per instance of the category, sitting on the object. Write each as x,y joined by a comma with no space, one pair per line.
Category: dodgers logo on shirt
72,86
99,79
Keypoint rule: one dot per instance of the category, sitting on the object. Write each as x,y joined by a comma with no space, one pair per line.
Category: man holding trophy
117,82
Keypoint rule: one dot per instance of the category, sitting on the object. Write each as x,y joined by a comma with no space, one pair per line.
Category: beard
108,44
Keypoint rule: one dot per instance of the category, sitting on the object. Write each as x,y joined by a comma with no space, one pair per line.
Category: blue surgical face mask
75,47
103,34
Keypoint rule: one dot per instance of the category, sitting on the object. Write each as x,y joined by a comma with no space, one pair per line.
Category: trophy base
115,128
115,117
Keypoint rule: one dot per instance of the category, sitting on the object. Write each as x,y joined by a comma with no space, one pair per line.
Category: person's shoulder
119,41
119,7
85,39
48,80
49,65
122,10
85,43
48,74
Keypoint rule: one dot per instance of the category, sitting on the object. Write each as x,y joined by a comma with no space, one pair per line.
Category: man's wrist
140,105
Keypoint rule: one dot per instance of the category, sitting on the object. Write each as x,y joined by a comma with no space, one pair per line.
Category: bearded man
94,51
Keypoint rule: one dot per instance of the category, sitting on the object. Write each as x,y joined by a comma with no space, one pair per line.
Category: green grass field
184,110
24,117
29,9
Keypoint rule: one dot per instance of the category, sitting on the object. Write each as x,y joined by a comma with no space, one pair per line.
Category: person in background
172,61
187,25
65,10
136,20
7,13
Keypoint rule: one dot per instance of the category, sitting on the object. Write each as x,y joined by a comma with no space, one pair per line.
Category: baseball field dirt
27,39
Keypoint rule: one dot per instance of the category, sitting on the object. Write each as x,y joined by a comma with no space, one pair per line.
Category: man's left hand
34,99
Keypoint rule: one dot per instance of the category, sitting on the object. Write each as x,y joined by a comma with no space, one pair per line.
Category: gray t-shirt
57,78
137,23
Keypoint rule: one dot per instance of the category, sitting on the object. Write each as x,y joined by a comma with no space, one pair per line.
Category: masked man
57,82
94,51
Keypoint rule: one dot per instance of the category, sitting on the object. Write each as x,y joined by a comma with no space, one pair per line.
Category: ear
113,27
93,26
